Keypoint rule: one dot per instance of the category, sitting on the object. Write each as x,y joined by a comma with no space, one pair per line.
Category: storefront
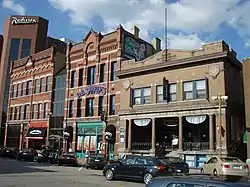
13,135
89,138
36,135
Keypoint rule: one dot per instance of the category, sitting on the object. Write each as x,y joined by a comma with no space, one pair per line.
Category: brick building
172,96
93,89
23,36
32,82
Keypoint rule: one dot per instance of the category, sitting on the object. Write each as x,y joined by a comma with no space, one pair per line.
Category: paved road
26,174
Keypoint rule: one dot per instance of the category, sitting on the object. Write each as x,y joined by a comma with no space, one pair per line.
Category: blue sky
190,23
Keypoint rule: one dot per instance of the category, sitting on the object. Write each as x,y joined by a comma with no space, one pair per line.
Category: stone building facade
94,91
30,98
170,101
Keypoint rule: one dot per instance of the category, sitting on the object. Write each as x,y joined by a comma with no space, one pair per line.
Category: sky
187,24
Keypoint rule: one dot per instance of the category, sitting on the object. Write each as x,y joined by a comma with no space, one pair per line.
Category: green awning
245,137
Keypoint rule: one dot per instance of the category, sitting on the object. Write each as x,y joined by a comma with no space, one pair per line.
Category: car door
123,169
208,166
138,168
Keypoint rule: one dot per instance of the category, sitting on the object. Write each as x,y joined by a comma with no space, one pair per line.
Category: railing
195,146
141,146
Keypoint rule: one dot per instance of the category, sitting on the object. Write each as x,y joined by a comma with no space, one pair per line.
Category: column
129,134
180,134
74,138
5,134
153,136
64,141
21,137
211,133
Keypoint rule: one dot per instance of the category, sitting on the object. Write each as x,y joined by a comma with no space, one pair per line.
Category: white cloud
185,16
15,7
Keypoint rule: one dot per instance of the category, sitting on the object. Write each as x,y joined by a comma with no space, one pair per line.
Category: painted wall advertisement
134,48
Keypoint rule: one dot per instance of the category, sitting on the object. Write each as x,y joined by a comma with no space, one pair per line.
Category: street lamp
220,98
104,118
48,129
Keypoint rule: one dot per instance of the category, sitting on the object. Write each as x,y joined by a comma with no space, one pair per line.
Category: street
28,174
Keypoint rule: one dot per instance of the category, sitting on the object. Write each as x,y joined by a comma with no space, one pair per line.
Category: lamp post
48,129
104,118
220,98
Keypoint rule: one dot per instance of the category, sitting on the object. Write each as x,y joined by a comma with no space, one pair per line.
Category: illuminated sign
23,20
92,90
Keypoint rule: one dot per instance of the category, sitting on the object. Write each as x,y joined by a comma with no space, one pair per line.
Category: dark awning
36,132
110,132
68,132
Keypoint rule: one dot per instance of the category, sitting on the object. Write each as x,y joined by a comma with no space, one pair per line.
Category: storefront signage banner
36,132
195,119
142,122
23,20
92,90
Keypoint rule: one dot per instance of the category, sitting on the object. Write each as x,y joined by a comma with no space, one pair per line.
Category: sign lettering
23,20
35,132
92,90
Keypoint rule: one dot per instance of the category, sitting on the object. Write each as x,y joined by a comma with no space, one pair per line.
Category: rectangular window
17,89
195,90
47,86
34,111
22,88
79,108
100,105
36,90
45,110
112,105
10,113
39,110
29,87
42,84
142,96
89,107
71,105
26,111
15,113
171,93
72,79
12,91
102,73
80,78
20,112
91,75
26,47
113,71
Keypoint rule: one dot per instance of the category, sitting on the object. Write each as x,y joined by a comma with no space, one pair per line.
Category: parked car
1,150
225,166
53,157
9,152
27,154
96,162
194,181
68,159
143,168
43,155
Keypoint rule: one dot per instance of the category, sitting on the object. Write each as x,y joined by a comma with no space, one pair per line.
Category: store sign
36,132
23,20
91,90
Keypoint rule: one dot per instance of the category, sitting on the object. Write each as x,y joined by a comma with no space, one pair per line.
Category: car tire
147,177
215,173
109,175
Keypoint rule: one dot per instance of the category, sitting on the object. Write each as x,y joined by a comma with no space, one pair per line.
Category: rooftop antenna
165,31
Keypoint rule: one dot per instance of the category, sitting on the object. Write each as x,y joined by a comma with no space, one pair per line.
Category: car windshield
230,159
170,160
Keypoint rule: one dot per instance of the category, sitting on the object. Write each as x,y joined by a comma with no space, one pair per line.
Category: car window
210,161
128,161
228,159
140,161
184,185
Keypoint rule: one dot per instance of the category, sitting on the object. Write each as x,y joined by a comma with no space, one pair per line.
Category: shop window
26,45
29,87
112,105
195,161
20,113
72,79
170,92
42,84
34,111
36,90
89,107
195,89
45,110
39,110
142,96
79,108
47,86
100,105
102,73
91,75
26,111
80,78
113,71
71,105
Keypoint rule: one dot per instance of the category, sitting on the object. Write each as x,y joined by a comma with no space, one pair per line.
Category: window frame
71,108
91,79
79,108
113,71
100,105
47,84
39,110
80,76
90,111
194,89
168,90
28,91
20,112
112,105
142,97
102,73
72,78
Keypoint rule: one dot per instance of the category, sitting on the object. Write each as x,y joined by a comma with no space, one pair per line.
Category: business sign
91,90
23,20
134,48
36,132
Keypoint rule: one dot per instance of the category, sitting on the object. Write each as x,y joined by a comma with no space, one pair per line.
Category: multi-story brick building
172,96
23,36
30,103
93,89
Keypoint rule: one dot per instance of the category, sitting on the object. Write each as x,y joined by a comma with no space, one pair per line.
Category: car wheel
215,173
87,167
147,178
202,171
109,175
